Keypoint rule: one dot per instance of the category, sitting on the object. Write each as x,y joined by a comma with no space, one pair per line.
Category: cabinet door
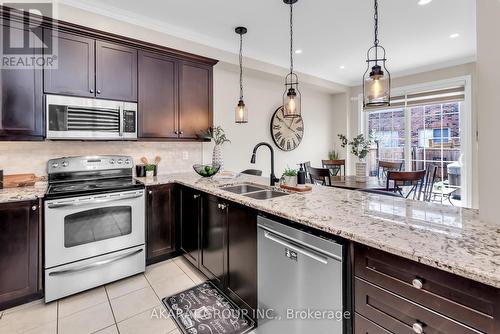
213,239
116,72
242,254
75,73
21,108
19,266
190,225
195,84
160,224
157,96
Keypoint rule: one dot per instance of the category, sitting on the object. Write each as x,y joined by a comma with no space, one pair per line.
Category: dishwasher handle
279,240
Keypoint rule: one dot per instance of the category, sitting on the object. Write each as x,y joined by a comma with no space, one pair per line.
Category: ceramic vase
217,157
290,180
361,172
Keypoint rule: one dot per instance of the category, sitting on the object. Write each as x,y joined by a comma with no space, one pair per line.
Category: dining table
349,182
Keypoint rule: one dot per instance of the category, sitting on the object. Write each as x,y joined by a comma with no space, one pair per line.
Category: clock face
287,133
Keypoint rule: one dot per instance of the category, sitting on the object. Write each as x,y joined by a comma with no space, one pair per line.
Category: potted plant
360,146
218,135
150,170
289,177
333,155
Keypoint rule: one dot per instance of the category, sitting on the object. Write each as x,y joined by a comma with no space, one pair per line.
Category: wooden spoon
157,160
145,160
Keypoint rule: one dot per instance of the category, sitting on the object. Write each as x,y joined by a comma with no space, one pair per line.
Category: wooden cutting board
19,180
303,189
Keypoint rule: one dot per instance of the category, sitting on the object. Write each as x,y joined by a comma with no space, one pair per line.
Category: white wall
263,94
488,107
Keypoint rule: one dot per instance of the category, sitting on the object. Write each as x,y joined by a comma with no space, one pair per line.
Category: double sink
254,191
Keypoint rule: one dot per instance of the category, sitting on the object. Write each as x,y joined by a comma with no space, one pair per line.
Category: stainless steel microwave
90,119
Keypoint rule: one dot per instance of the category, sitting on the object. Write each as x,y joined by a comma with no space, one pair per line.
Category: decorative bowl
206,170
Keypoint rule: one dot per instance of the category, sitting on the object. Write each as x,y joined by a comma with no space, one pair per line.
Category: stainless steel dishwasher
300,281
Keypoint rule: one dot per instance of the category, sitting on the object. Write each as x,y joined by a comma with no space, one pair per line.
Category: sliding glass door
424,131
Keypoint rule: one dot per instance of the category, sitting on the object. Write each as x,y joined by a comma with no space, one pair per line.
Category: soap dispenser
301,176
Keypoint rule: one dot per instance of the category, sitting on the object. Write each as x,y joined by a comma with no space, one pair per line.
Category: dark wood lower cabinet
242,254
190,225
160,223
19,253
220,239
394,293
213,239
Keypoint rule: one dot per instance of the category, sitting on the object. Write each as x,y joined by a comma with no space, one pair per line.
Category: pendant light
241,112
291,97
377,79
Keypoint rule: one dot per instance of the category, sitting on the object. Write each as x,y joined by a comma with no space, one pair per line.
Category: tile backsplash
32,157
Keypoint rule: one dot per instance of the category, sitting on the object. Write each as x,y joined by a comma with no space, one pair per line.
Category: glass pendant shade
377,88
241,113
292,103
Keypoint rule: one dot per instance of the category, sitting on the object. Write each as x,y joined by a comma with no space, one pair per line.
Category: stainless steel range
94,224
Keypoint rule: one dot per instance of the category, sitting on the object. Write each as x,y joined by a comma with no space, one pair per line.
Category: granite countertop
449,238
23,193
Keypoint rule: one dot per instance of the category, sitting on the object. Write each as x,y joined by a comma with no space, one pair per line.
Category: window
423,129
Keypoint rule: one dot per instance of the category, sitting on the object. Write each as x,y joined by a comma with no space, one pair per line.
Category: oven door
79,228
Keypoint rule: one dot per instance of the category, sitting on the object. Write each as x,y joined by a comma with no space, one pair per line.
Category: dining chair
415,180
335,166
256,172
320,176
387,166
430,179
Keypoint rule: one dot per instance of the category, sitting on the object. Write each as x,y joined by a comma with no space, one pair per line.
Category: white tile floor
131,305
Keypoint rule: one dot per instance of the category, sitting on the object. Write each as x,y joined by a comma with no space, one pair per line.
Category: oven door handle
95,264
95,201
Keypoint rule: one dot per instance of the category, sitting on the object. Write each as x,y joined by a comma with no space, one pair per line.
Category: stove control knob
127,161
55,165
65,164
112,161
120,161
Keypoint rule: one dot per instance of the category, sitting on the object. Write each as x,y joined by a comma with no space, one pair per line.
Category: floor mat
204,309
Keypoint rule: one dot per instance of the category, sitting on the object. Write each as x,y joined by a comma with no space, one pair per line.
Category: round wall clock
287,133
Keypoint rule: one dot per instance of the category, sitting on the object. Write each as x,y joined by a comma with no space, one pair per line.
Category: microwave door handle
95,264
62,205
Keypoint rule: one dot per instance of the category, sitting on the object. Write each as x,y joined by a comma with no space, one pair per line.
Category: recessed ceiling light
424,2
298,51
455,35
341,67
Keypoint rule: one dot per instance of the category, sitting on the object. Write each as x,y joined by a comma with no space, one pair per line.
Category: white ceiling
331,33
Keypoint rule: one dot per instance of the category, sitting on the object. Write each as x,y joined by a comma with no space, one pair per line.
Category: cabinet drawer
466,301
399,315
365,326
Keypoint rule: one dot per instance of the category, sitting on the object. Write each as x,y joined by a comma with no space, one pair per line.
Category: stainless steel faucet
273,177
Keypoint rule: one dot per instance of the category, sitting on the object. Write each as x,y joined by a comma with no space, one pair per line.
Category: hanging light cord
241,67
291,38
376,23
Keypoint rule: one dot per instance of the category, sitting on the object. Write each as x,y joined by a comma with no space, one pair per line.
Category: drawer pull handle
418,328
417,283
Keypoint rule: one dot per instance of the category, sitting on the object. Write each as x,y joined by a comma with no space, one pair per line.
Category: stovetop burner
76,176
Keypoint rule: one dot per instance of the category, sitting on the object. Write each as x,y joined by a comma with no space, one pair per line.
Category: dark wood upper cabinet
160,223
195,105
21,108
116,72
242,254
158,117
19,247
75,73
213,239
190,225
